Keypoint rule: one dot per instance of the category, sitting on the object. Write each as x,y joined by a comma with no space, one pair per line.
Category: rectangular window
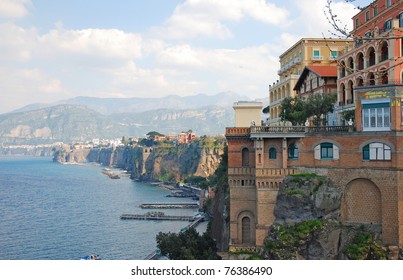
366,118
376,151
388,3
367,15
401,20
388,25
333,55
375,11
376,117
357,22
316,55
326,151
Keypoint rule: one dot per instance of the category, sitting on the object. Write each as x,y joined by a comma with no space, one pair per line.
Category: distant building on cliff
363,157
186,137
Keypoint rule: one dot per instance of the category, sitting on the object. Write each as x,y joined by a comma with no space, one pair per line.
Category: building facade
318,80
364,158
306,52
375,60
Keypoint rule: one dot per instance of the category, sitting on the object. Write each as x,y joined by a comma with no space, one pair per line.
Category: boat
92,257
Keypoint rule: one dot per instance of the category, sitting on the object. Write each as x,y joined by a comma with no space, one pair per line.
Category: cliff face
163,163
183,161
308,225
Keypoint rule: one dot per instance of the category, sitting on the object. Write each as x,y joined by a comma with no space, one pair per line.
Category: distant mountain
109,106
71,123
67,123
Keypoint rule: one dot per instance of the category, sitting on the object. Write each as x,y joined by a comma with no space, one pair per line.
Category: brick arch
362,202
246,225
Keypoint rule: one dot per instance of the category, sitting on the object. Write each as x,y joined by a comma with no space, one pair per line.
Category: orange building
364,157
375,60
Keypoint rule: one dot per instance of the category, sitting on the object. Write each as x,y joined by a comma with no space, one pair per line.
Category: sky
56,50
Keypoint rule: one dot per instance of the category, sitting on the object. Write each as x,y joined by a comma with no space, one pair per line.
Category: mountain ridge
109,106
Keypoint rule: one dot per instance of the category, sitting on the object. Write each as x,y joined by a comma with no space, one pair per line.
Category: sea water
51,211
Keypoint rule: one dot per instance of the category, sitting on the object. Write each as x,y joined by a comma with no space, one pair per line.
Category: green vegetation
167,177
284,240
220,176
187,245
297,111
199,181
307,177
364,247
347,115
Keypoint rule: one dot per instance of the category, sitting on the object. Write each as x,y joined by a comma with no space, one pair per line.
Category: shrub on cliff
364,247
187,245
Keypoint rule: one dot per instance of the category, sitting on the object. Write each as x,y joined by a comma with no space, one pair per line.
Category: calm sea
50,211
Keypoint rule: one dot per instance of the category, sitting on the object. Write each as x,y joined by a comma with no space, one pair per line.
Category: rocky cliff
167,163
308,225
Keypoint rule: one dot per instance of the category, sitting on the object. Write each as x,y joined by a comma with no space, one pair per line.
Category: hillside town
357,144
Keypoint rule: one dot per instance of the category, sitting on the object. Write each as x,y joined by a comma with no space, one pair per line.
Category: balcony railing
297,60
350,101
372,84
277,129
293,131
237,131
335,128
317,57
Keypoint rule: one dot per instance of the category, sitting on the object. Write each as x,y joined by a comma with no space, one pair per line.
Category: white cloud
95,43
196,18
20,87
16,43
14,8
312,21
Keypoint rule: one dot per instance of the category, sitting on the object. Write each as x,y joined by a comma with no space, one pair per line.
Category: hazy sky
57,49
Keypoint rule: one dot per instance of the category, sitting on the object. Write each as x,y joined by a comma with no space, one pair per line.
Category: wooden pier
169,205
156,217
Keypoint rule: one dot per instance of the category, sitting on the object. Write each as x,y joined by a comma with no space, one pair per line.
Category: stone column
285,154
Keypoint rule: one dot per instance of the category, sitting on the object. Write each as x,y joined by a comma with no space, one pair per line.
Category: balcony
317,57
350,101
283,131
332,57
297,60
237,131
341,103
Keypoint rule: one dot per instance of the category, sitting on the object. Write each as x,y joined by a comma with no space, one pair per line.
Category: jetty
156,216
168,205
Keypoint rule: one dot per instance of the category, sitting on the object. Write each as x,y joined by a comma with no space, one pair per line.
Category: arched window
245,157
384,77
360,61
292,151
350,65
342,69
371,79
371,56
272,153
246,230
342,99
360,82
384,51
376,151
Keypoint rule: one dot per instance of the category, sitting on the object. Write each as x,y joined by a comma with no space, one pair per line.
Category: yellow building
306,52
247,113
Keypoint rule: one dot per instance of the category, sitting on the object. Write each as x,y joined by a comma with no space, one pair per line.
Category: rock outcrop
308,225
